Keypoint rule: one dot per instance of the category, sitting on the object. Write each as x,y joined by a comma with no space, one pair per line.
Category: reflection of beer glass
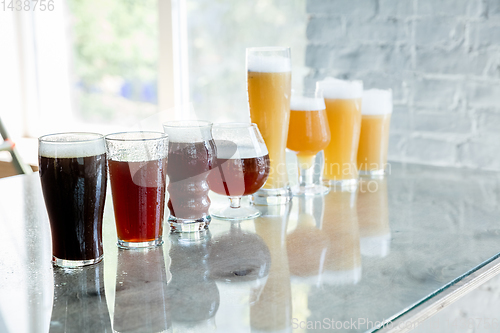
73,176
374,138
272,309
373,217
269,88
308,134
137,171
191,155
141,292
343,109
80,301
340,223
242,167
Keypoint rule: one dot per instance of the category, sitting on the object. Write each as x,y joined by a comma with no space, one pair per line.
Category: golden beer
269,89
343,109
374,137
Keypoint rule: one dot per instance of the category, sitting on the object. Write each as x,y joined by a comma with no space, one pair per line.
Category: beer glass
343,109
374,138
242,167
269,88
192,154
308,135
73,177
137,171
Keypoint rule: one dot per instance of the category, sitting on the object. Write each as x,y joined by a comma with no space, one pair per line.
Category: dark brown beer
74,189
187,169
239,176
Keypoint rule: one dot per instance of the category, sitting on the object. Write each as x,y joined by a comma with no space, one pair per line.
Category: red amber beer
73,177
137,170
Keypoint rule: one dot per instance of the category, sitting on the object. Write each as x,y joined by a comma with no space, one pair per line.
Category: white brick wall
440,57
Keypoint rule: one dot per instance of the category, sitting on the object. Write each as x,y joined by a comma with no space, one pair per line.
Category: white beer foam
376,102
71,145
301,103
340,89
226,150
188,132
268,64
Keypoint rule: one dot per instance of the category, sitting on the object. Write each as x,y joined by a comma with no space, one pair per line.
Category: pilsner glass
73,177
269,88
137,171
242,167
343,109
374,139
191,154
308,135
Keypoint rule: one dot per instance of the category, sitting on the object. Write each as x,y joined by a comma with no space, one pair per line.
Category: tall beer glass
343,109
269,89
374,139
191,156
137,171
73,176
308,135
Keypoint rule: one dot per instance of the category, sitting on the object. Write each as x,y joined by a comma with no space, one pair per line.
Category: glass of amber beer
374,139
191,156
137,170
73,175
269,89
242,167
343,109
308,135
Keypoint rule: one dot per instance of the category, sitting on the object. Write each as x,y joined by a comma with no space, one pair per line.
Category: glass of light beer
374,139
242,167
343,109
308,135
137,170
191,155
73,175
269,89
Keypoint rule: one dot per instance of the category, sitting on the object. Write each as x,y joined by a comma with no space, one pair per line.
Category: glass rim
45,138
268,48
238,124
187,124
160,136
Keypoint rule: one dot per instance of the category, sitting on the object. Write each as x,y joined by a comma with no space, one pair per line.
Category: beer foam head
301,103
340,89
137,146
268,64
238,140
376,101
70,145
188,131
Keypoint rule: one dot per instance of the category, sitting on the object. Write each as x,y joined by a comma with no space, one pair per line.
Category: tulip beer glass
74,177
308,135
191,156
269,88
242,167
137,171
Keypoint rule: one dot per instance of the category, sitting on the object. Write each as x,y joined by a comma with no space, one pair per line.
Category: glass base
270,197
235,214
372,173
340,278
75,263
348,185
376,246
188,225
139,245
309,190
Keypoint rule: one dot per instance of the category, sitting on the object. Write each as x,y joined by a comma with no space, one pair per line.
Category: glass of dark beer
137,163
242,167
74,177
191,156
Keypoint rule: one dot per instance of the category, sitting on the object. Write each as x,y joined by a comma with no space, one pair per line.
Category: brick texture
441,58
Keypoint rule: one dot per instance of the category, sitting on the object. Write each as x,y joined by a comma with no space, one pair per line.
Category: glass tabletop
348,260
